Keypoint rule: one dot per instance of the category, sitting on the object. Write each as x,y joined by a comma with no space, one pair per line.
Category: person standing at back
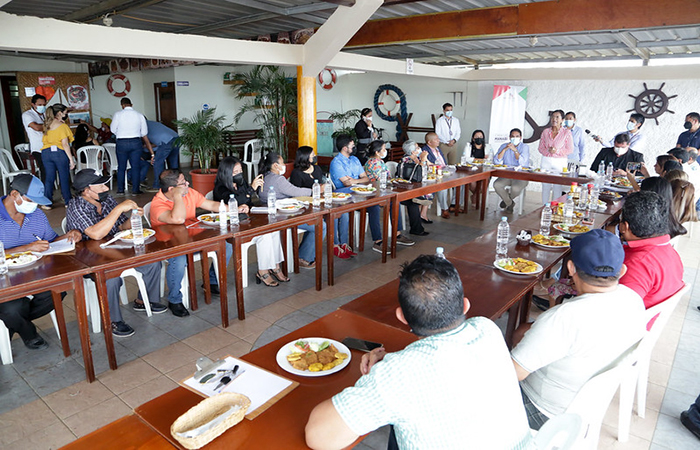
448,130
163,139
33,121
131,130
56,152
556,144
577,136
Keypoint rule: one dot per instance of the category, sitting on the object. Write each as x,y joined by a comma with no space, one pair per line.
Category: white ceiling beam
631,43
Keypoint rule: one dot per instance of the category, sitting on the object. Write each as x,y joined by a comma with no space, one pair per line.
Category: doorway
13,112
166,107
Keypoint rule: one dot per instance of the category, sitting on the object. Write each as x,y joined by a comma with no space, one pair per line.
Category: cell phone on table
633,166
360,344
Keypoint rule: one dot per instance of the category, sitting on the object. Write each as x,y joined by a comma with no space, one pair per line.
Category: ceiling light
533,41
107,21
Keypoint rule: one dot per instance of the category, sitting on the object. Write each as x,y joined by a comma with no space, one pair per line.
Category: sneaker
156,308
45,207
348,250
121,329
307,265
377,247
340,252
120,194
150,190
403,240
540,303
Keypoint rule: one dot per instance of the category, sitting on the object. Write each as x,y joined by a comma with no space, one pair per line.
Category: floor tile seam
58,420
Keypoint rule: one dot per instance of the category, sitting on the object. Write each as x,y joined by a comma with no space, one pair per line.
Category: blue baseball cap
598,253
30,187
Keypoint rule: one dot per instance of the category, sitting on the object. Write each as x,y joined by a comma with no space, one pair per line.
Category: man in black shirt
619,155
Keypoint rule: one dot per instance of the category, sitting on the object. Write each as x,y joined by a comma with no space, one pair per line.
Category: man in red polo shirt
654,268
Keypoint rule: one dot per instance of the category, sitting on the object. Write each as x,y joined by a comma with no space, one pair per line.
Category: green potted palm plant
202,135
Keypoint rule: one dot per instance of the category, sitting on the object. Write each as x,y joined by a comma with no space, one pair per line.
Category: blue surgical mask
448,113
26,207
630,126
41,109
569,123
515,141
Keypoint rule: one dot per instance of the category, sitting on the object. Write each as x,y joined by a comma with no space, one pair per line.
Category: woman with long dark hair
477,148
365,134
230,181
662,187
82,137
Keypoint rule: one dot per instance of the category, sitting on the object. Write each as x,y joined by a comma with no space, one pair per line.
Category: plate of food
23,259
610,194
399,181
313,357
500,166
431,177
211,220
289,206
555,241
518,266
478,161
341,197
128,237
363,190
572,230
621,182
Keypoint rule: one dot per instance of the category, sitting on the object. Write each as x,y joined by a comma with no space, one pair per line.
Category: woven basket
206,411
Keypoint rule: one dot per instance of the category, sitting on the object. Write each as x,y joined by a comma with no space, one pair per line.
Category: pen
227,379
37,238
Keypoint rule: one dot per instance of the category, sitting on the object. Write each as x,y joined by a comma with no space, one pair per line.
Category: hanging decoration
327,78
389,103
118,85
652,103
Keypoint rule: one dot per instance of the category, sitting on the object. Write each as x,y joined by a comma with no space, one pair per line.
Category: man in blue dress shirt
511,154
577,134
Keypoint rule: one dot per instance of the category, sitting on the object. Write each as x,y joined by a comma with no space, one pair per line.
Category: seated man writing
571,342
97,215
174,204
24,228
512,154
454,388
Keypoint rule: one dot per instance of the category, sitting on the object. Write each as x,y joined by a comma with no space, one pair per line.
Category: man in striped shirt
24,228
454,388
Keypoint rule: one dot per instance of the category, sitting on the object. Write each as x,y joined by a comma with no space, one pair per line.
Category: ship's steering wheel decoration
651,103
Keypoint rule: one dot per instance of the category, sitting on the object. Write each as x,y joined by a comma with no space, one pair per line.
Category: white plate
213,224
372,192
147,232
289,348
558,227
289,206
499,261
35,257
341,200
555,247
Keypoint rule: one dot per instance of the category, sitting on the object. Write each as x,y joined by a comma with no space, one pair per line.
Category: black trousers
414,222
40,165
18,314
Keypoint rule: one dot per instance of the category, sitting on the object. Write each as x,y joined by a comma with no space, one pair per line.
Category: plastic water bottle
136,227
593,195
3,263
609,172
316,193
223,216
382,180
440,252
546,220
233,210
272,202
601,169
583,197
502,237
569,210
463,160
328,194
424,169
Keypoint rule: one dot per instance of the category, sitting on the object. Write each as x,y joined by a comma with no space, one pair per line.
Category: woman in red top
556,143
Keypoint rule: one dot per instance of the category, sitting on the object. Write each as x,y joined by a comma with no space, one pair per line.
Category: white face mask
284,169
41,109
515,141
569,123
382,154
368,118
621,150
630,126
448,113
26,207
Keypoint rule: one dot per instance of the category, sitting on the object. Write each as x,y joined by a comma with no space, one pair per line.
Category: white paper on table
62,246
257,384
258,210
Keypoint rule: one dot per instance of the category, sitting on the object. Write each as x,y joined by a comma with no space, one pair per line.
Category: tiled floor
44,402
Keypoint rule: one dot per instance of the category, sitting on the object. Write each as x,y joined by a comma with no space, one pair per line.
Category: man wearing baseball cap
571,342
24,228
97,215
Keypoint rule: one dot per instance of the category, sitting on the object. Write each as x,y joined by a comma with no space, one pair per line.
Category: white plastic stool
6,344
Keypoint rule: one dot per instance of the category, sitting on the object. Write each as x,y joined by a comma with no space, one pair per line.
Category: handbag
411,171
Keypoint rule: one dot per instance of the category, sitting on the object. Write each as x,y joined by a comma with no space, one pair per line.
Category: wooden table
169,241
259,224
129,432
55,273
282,425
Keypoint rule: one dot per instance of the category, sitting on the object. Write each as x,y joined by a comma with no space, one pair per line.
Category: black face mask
102,196
238,179
687,125
479,141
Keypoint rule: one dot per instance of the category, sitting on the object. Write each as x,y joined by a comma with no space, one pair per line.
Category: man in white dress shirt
637,138
448,130
33,121
129,126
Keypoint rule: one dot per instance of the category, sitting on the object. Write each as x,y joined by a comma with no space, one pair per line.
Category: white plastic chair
93,155
592,400
8,169
110,156
28,159
6,343
252,152
639,376
558,433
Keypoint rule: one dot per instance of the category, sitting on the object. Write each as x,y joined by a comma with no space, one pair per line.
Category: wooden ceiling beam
540,18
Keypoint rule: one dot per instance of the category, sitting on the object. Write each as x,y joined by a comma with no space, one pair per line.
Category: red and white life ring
389,102
327,78
118,85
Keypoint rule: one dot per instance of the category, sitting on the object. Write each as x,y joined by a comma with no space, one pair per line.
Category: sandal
279,275
263,279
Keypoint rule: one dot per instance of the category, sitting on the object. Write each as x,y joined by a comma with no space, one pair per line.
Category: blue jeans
56,161
176,272
342,229
129,150
307,248
166,152
697,205
375,227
